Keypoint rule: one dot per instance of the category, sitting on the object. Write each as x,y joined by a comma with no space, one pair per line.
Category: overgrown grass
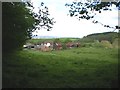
74,68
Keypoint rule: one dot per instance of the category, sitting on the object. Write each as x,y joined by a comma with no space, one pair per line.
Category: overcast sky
67,26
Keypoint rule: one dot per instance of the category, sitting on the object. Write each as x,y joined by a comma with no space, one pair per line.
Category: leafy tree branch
87,9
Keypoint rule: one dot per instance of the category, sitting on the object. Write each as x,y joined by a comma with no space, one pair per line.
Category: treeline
62,40
106,39
109,36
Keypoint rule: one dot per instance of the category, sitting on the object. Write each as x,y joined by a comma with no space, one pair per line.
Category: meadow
73,68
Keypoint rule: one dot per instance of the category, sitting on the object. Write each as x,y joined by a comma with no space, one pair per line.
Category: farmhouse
44,46
50,45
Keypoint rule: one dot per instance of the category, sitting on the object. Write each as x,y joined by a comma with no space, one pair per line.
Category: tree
19,21
86,10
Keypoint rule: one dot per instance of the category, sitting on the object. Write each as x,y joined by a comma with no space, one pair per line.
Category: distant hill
110,36
38,39
50,37
44,37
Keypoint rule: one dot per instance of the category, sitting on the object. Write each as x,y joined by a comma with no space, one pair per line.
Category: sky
67,26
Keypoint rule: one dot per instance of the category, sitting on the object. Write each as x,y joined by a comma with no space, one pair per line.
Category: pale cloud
66,26
108,17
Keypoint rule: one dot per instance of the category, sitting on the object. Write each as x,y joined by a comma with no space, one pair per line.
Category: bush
98,45
87,45
115,43
106,44
64,46
16,28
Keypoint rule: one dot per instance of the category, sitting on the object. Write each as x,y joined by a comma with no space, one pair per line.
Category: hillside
110,36
107,39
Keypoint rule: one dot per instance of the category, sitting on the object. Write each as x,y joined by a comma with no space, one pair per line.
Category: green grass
62,40
74,68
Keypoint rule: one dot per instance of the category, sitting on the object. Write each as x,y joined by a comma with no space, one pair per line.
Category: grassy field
62,40
74,68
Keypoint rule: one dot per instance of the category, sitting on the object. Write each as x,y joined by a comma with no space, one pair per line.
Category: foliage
102,44
86,40
74,68
106,44
116,43
15,26
43,19
64,46
87,9
67,40
56,40
97,45
87,45
62,40
19,21
110,36
91,40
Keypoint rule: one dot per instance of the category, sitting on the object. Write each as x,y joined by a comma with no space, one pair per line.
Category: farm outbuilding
44,46
51,45
29,46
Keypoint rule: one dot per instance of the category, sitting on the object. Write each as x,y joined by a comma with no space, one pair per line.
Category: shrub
64,46
85,44
106,44
98,45
115,43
